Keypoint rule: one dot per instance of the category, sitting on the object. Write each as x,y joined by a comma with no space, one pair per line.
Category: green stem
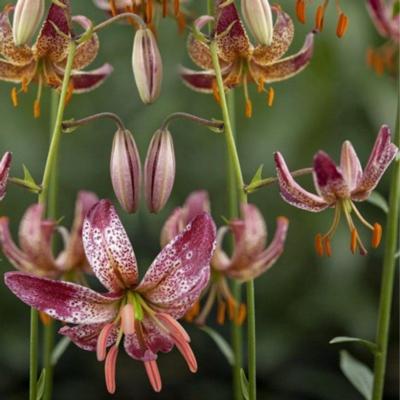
234,157
388,274
33,354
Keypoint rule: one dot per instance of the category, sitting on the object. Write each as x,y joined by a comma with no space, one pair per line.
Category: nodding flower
44,61
241,61
143,316
5,165
340,187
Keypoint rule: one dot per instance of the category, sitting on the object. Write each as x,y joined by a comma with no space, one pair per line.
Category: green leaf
357,373
244,384
40,384
27,175
379,201
222,344
346,339
257,176
59,350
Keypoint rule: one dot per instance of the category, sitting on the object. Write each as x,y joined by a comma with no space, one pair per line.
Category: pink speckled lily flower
45,60
339,187
143,313
5,165
35,235
240,60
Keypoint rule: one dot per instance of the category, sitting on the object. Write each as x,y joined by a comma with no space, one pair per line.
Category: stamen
376,235
231,307
301,11
201,319
342,25
187,353
109,369
327,246
270,97
164,8
101,347
221,312
153,374
320,16
354,239
36,109
248,109
241,315
215,89
14,97
24,85
149,11
260,85
193,312
177,7
319,248
70,92
181,21
128,319
113,7
45,318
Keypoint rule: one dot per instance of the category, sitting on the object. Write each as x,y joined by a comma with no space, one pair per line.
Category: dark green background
304,301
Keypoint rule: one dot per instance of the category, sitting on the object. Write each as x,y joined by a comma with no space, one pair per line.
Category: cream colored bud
28,15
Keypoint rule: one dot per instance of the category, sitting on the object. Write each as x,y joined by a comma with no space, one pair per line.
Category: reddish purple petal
286,67
108,248
86,81
64,301
293,193
350,165
383,153
200,81
5,165
180,272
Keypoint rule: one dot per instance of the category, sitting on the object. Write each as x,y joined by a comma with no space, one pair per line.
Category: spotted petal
13,73
65,301
5,165
180,272
383,153
286,67
350,165
107,247
199,51
87,81
232,39
281,40
293,193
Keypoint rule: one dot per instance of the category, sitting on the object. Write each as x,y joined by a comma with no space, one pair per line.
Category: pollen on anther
221,312
319,18
376,235
241,315
327,246
217,97
319,248
248,108
301,11
149,11
113,7
353,241
14,97
342,25
176,7
164,8
36,109
271,96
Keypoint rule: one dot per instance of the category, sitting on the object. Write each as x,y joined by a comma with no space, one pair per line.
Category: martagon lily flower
241,61
44,61
249,260
339,187
35,235
144,313
5,165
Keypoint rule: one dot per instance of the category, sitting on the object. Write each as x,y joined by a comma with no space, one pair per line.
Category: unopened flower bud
28,15
258,17
5,164
147,65
159,170
125,169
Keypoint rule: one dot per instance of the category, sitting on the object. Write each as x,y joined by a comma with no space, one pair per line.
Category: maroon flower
5,165
144,313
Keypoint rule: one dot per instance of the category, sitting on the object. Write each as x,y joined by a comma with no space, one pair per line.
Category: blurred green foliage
304,301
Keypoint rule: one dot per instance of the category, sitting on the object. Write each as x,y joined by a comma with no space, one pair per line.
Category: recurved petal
13,73
286,67
383,153
281,39
18,56
85,336
87,81
350,165
180,272
65,301
200,81
54,35
380,13
5,165
108,248
173,225
328,178
197,203
293,193
199,52
231,36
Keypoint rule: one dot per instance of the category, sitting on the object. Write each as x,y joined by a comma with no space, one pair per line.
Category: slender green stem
251,339
33,354
48,338
388,274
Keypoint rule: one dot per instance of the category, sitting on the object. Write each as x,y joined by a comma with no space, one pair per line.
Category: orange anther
176,7
231,308
353,242
319,18
24,85
113,7
241,315
301,11
221,312
36,109
319,248
149,11
249,109
215,89
376,235
70,92
14,97
260,86
370,57
181,21
164,8
270,97
45,318
327,246
378,65
342,25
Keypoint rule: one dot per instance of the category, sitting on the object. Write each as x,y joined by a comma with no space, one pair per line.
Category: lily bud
28,15
125,170
258,17
147,65
5,164
159,170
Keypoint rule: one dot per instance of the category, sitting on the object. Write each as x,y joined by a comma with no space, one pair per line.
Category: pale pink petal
180,272
328,178
65,301
293,193
196,204
350,165
108,248
5,165
383,153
